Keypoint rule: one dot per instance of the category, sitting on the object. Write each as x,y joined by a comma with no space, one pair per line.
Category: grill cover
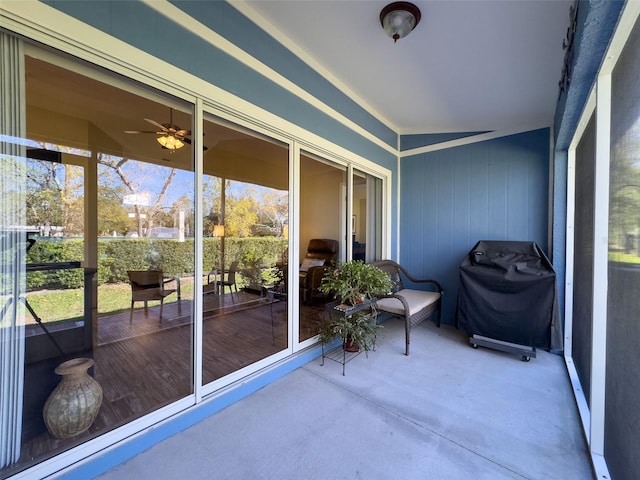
508,292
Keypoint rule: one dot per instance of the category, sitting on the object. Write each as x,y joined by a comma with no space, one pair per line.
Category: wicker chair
148,285
412,304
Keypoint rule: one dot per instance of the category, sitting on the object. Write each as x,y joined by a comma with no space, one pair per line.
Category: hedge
116,256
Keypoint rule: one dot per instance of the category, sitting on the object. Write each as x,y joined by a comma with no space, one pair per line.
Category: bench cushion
417,300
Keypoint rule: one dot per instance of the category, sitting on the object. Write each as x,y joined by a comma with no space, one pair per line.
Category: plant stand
339,353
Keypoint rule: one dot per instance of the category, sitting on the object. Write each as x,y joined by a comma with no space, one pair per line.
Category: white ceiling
469,65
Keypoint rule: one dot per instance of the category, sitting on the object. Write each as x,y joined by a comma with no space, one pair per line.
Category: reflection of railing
38,267
74,337
11,303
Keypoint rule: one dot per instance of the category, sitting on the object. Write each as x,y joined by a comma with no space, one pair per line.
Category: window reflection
100,204
245,215
323,227
104,189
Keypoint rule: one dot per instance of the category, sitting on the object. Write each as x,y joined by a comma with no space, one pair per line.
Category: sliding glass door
151,252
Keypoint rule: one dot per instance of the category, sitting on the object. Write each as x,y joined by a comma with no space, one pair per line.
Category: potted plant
355,281
352,283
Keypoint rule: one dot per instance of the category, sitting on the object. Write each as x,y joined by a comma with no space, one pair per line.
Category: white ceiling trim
483,137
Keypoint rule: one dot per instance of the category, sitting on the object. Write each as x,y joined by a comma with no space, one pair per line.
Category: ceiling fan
170,136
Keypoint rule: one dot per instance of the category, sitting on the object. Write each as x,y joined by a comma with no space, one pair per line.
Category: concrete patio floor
447,411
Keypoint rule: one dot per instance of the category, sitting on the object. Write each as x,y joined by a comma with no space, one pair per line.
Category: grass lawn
623,257
56,305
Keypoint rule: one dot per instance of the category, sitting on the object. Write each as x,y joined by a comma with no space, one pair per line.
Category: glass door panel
366,222
104,197
323,228
245,222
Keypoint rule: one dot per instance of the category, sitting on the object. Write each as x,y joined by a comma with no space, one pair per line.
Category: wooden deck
146,364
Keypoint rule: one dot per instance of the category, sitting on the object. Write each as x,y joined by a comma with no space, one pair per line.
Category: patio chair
218,279
411,304
147,286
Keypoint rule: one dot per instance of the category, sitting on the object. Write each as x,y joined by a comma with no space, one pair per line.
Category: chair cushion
417,300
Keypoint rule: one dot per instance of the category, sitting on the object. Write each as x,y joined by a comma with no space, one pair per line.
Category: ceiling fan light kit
398,19
170,142
170,136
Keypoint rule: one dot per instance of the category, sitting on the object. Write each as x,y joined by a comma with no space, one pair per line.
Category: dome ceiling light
399,18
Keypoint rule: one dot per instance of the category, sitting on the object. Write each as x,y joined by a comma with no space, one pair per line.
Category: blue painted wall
450,199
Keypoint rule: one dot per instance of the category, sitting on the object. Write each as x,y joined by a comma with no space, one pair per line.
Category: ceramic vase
74,404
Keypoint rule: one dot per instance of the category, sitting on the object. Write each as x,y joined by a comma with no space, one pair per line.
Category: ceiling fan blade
185,140
139,131
159,125
183,133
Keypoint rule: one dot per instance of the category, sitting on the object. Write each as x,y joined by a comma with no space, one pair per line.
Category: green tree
112,216
241,216
73,200
624,192
12,192
44,203
212,202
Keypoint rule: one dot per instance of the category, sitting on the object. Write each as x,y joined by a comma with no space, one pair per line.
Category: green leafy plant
359,328
355,281
352,283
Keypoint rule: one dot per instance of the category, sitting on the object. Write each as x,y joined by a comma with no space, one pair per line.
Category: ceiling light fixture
170,142
399,18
